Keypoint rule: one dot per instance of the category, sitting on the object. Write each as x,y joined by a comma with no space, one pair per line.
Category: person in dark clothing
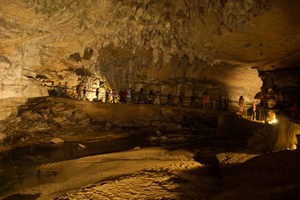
193,100
141,96
58,89
125,94
170,99
107,95
132,96
181,98
226,103
97,94
84,93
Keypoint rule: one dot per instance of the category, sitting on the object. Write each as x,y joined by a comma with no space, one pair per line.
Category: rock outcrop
43,120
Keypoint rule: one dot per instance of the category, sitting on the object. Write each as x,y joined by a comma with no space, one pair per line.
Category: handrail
214,102
137,93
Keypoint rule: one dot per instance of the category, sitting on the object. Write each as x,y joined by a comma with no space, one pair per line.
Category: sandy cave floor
171,172
158,173
215,169
141,173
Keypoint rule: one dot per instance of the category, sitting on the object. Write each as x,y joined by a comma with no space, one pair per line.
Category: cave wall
179,75
181,45
16,82
285,134
262,137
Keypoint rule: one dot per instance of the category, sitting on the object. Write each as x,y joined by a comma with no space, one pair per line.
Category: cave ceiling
261,33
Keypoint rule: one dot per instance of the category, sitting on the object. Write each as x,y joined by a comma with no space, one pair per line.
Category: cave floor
213,169
216,168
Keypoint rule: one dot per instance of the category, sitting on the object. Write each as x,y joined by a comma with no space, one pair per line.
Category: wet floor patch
19,168
22,197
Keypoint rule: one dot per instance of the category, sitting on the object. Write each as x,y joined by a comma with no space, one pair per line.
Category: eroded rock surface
166,46
42,119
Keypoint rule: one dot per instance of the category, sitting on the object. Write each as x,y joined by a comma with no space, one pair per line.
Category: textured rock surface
41,120
167,45
213,46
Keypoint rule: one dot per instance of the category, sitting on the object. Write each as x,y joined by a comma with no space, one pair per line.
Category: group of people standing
268,100
143,97
59,90
242,108
81,92
131,96
151,97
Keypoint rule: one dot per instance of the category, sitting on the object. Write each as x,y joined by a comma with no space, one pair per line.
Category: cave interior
171,71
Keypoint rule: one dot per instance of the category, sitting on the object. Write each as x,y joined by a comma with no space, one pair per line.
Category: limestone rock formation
211,46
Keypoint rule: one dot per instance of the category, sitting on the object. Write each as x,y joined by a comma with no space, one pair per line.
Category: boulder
57,141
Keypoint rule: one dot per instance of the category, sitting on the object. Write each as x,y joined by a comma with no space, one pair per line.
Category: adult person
205,101
157,98
84,93
133,96
170,99
151,97
226,102
114,95
193,100
263,105
121,95
52,91
129,100
241,104
65,90
97,94
141,95
78,92
221,102
253,111
181,98
110,96
107,92
58,89
125,94
213,104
